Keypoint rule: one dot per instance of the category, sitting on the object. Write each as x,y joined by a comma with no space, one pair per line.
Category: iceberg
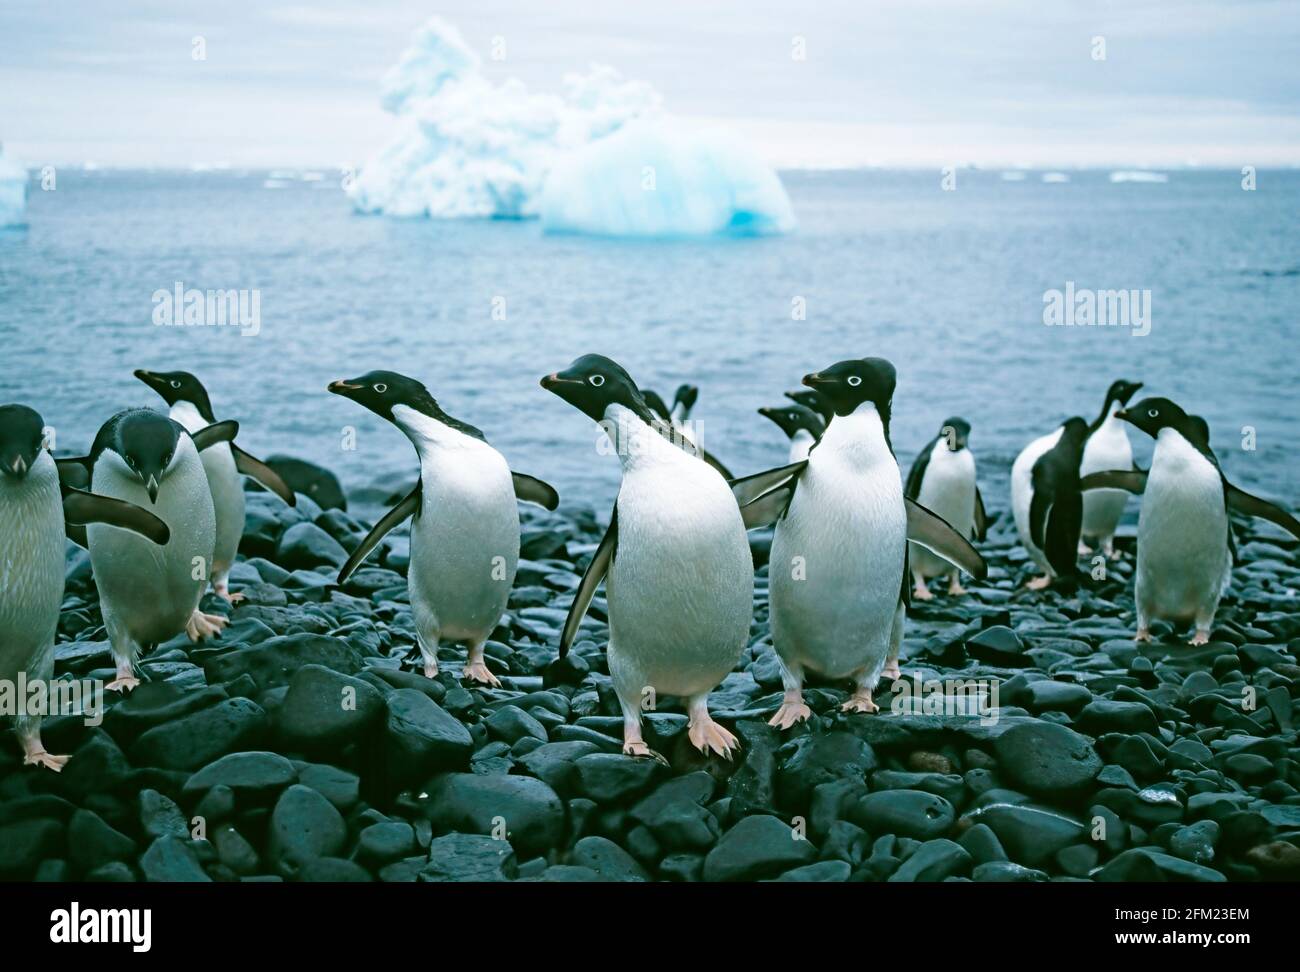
469,147
1138,175
13,190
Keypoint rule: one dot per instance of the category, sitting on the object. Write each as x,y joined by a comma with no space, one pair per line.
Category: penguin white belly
147,590
800,443
227,489
1107,448
1022,493
31,570
836,567
1183,562
680,589
948,490
464,543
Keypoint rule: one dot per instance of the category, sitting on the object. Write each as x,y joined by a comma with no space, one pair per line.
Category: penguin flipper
409,506
591,578
1133,480
934,533
1243,502
916,475
981,517
1040,508
768,508
80,508
533,490
750,488
1061,540
210,435
264,474
74,472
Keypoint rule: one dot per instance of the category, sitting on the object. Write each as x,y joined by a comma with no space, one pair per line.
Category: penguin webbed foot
1039,583
789,714
954,586
230,597
921,592
478,672
706,735
201,626
1200,637
860,701
1143,635
41,758
123,683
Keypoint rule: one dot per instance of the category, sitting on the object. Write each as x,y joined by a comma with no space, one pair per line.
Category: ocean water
949,285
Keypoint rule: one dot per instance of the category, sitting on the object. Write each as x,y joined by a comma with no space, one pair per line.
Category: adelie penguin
801,424
223,463
677,417
1107,447
838,568
147,594
812,398
1047,503
1184,545
675,559
942,479
37,512
464,520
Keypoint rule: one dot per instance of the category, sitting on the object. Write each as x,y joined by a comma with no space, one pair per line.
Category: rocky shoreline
1107,761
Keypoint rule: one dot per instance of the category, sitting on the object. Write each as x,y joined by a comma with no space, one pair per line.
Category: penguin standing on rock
223,462
801,424
1107,447
942,479
838,569
1047,502
147,594
34,507
676,561
464,520
1184,546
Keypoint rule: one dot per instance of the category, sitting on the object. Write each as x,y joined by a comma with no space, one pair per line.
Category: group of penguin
160,507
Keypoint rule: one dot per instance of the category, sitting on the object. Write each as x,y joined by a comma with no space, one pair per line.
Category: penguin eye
1153,412
167,460
597,380
176,383
854,381
381,387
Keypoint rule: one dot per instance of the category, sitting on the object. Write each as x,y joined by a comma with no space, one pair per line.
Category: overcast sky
891,82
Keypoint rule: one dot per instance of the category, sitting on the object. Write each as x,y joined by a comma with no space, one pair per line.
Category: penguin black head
1153,414
795,417
686,397
22,436
811,398
593,382
382,391
145,440
849,384
955,432
178,386
1121,391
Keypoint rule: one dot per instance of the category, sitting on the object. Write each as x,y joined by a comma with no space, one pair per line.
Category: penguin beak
817,380
16,467
148,377
343,388
151,487
553,381
1122,413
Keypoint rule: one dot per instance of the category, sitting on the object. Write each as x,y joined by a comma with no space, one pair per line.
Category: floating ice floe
468,147
13,190
1055,177
1013,175
1138,175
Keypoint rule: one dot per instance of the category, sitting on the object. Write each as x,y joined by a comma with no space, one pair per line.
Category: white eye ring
597,380
1153,412
176,383
381,387
854,381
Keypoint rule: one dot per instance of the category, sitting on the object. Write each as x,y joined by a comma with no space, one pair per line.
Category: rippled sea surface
947,284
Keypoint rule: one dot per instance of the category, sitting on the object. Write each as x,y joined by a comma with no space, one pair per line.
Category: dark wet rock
606,778
273,662
198,738
555,763
982,844
1052,696
469,857
325,710
332,870
522,810
1146,864
997,645
1005,872
160,816
23,845
252,776
303,826
1042,757
1105,715
382,843
757,847
822,871
951,787
511,723
934,860
420,737
1195,842
171,860
608,860
92,843
1031,835
906,813
312,481
809,761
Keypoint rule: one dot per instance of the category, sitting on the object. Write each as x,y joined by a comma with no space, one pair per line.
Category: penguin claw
479,672
860,703
46,760
123,683
231,597
641,749
1200,638
707,735
789,714
1143,634
431,669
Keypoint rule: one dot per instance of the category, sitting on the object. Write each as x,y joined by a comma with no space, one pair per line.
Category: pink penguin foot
1039,583
706,735
860,702
201,626
789,714
477,671
1143,634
